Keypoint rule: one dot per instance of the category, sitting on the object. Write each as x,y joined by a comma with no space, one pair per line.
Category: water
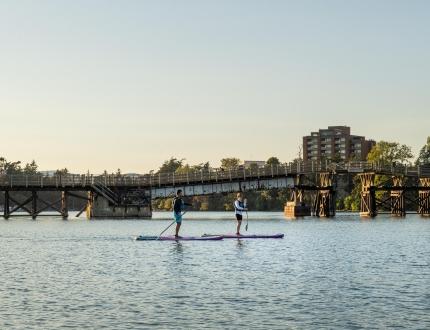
342,273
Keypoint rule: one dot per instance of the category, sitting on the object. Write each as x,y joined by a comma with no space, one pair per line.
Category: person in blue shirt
178,208
239,208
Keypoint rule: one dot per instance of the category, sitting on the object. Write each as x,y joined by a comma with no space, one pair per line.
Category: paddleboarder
178,208
239,208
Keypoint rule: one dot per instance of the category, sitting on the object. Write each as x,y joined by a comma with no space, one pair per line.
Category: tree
9,167
389,152
230,163
171,165
273,161
424,156
353,200
201,166
63,171
31,168
183,169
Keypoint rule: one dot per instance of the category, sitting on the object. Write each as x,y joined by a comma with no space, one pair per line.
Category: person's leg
239,223
178,226
178,218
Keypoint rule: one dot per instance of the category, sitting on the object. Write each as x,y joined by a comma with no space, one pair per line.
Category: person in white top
239,208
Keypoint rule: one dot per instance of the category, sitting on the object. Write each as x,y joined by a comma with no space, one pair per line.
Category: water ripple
340,274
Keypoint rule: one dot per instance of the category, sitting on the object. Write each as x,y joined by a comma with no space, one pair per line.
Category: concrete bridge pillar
296,207
100,207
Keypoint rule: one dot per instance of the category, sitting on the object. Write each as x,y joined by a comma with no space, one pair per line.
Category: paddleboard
245,236
173,238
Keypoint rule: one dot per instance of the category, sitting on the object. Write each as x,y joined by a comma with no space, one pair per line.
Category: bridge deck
192,177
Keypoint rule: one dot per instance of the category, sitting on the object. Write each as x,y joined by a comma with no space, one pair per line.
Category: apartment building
335,143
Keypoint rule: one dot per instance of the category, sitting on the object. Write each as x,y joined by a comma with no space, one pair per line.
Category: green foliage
384,153
424,156
30,168
171,165
230,163
186,168
273,161
183,169
352,202
339,204
388,152
269,200
7,167
201,166
163,204
63,171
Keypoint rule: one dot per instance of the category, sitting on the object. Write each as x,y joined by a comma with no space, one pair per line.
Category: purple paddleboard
173,238
246,236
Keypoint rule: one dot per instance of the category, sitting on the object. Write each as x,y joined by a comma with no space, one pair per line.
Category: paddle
245,201
174,221
165,230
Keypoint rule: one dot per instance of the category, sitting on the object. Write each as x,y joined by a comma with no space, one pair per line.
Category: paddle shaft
247,218
165,230
168,227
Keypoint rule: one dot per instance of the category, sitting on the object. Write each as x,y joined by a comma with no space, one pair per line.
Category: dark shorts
239,217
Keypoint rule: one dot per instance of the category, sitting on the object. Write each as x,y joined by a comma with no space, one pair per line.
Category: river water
339,273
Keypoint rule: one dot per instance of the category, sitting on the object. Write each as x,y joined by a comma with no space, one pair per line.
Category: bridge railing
23,180
207,175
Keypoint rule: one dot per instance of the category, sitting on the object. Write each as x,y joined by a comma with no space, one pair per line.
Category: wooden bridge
131,195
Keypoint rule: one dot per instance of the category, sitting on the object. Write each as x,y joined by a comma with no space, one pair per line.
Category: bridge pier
325,200
6,211
33,204
397,197
64,205
90,204
368,196
100,207
424,198
296,207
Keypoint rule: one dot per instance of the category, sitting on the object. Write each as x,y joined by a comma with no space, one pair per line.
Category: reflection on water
342,273
240,244
178,250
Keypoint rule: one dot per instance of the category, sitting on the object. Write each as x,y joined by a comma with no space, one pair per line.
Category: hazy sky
94,85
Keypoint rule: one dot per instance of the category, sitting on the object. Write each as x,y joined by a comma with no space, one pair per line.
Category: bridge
122,196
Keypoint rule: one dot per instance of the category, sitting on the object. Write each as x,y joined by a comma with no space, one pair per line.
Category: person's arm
238,207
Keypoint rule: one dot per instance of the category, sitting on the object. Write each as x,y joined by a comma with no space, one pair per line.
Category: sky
95,85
